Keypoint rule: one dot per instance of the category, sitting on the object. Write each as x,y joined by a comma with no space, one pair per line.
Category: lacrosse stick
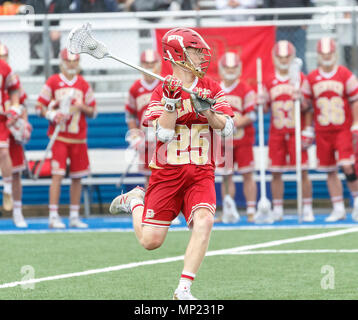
65,109
80,40
294,74
264,205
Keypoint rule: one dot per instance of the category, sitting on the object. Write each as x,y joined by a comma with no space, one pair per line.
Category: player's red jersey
242,100
331,94
8,82
193,140
139,98
57,88
282,105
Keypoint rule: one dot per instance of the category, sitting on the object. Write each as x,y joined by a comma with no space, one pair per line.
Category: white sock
307,204
17,209
74,211
251,207
53,208
135,203
186,280
278,205
7,182
338,203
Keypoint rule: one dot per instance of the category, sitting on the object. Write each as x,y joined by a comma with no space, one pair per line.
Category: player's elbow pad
229,127
165,135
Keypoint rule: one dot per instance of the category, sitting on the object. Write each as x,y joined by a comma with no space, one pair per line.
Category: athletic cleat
183,294
20,222
355,214
77,223
230,213
121,204
277,215
336,215
308,216
56,223
176,221
7,202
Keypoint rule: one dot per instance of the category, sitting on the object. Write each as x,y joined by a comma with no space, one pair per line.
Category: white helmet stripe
149,55
283,48
230,60
326,45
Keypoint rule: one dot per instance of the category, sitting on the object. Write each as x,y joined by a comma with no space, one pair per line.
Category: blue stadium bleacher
108,131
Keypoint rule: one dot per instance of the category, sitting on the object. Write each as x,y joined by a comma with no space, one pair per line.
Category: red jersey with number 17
332,94
193,139
57,88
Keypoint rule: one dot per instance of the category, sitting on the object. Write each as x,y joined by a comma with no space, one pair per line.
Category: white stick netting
80,40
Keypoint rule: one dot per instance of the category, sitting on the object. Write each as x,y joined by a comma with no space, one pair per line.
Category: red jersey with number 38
332,94
193,139
282,105
57,88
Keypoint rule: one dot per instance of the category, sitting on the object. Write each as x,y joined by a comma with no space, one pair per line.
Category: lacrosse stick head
294,71
80,40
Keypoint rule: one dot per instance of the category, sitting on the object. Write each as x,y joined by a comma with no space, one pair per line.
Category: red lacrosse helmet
326,52
282,49
176,41
65,57
149,56
230,66
4,51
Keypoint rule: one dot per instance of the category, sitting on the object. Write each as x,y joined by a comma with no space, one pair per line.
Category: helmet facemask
177,48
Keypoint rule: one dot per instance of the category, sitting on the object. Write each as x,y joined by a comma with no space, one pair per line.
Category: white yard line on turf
296,251
178,258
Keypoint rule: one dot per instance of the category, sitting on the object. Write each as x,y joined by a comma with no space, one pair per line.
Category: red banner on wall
249,42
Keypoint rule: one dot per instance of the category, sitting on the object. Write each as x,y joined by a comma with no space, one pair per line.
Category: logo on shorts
149,214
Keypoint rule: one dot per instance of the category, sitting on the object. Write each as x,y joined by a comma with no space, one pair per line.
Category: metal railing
127,33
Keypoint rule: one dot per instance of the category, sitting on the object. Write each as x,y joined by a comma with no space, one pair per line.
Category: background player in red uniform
282,144
183,164
20,134
71,142
140,137
9,84
334,93
242,100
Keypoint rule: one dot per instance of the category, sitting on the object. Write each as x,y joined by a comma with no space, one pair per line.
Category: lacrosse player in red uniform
20,132
71,142
183,164
9,84
140,137
242,100
282,144
334,93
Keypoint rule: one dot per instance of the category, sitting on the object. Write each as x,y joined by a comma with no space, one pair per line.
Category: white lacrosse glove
135,138
56,116
21,131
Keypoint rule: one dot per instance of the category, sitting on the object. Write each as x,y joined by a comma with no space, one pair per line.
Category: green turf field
263,269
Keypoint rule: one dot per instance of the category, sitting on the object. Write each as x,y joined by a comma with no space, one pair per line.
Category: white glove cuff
354,127
50,115
308,132
170,104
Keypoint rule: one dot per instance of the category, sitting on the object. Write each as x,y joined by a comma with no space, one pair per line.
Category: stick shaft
154,75
261,130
